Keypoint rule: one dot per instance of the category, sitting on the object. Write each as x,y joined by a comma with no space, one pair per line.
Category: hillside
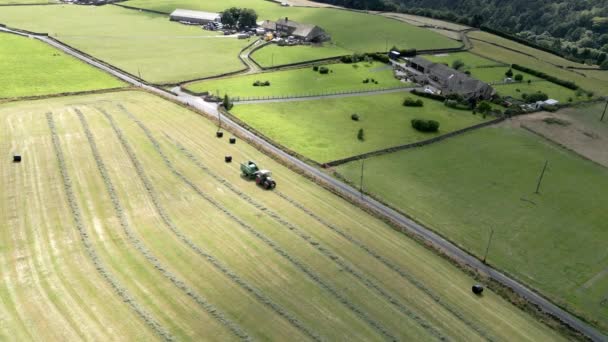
581,31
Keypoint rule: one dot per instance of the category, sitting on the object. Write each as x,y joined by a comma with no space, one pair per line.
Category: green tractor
262,177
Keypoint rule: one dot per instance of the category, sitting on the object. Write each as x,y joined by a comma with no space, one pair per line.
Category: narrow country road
412,227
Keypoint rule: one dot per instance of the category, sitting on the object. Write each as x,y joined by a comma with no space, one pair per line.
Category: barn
197,17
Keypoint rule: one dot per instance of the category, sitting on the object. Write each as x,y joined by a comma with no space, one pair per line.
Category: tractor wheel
267,185
273,185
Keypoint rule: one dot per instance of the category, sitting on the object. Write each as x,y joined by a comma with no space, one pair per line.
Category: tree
604,66
247,18
361,135
476,20
484,107
227,103
519,77
230,17
457,64
509,73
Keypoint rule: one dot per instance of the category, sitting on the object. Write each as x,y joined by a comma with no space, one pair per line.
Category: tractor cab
264,178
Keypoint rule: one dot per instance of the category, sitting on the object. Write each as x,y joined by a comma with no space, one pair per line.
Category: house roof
200,15
454,81
268,25
301,30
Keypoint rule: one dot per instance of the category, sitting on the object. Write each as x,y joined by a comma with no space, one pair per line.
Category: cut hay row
217,264
326,252
90,249
138,244
280,251
401,272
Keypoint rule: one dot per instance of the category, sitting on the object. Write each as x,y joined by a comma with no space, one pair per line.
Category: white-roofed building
198,17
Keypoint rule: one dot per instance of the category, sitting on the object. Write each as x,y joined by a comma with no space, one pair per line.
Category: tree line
578,29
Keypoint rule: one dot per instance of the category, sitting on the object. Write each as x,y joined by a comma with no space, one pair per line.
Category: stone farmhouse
305,32
447,80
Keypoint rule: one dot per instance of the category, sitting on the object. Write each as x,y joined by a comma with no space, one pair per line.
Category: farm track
401,272
168,222
138,244
297,263
355,273
90,249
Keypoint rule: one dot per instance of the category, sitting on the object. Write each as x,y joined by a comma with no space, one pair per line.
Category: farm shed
197,17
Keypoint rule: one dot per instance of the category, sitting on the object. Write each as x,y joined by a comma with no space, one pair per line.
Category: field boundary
303,96
412,145
72,93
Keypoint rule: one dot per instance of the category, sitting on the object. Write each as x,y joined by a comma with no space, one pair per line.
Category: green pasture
29,67
273,55
350,30
322,130
342,77
486,180
141,43
554,91
470,60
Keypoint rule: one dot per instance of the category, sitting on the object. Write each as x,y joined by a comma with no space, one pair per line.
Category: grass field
486,180
350,30
274,55
554,91
141,43
595,81
125,223
470,60
322,130
29,67
344,77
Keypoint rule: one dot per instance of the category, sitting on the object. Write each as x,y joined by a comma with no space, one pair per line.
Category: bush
266,83
519,77
457,64
408,52
315,68
361,135
323,70
366,80
509,73
552,79
256,83
535,97
355,117
484,107
380,57
346,59
425,125
410,102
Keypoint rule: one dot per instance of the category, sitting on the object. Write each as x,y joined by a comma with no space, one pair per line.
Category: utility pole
361,181
605,107
540,179
139,73
488,246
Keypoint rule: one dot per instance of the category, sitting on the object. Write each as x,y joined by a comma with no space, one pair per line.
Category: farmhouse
197,17
447,80
305,32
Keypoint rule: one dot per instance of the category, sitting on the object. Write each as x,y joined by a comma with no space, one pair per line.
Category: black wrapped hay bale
477,289
219,134
228,159
16,158
233,140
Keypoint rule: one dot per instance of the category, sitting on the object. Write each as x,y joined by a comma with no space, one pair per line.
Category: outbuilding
195,17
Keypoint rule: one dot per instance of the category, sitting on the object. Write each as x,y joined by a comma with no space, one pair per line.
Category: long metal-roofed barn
197,17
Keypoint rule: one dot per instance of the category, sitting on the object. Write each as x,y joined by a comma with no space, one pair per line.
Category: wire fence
319,94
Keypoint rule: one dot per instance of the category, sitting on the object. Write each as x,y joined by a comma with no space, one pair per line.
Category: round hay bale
477,289
219,134
233,140
16,158
228,159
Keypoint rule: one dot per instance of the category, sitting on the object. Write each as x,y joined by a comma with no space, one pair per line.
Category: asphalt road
412,227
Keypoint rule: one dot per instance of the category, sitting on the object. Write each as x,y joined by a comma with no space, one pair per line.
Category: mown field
342,77
322,130
466,186
141,43
350,30
123,222
29,67
595,81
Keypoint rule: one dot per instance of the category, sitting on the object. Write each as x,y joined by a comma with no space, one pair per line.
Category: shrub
408,52
410,102
355,117
380,57
346,59
535,97
315,68
519,77
509,73
323,70
457,64
484,107
425,125
361,135
227,103
366,80
266,83
256,83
